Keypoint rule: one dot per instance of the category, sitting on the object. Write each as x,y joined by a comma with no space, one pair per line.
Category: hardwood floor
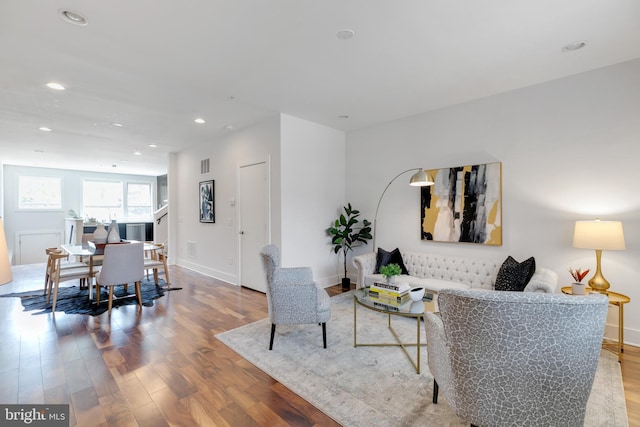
162,365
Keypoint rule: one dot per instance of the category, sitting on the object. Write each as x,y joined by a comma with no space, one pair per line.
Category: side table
618,300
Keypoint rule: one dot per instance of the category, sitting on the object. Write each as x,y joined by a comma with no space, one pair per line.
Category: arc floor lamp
418,179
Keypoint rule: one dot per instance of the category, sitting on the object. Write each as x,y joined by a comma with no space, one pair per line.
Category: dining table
91,249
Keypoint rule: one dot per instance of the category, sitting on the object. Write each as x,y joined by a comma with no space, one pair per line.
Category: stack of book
390,294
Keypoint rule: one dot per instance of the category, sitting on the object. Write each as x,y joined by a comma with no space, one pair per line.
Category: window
138,201
39,192
105,200
102,200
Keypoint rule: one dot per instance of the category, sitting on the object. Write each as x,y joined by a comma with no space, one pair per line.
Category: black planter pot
346,284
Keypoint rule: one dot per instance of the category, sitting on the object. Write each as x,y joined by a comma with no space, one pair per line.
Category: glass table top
409,309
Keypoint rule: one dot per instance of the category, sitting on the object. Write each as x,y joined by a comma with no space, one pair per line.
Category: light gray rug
378,386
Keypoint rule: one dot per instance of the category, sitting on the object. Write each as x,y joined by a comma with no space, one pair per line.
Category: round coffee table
411,309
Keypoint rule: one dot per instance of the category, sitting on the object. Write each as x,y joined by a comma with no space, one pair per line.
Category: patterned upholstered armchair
292,295
515,358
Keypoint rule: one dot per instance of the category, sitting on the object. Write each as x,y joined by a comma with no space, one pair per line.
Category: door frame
250,162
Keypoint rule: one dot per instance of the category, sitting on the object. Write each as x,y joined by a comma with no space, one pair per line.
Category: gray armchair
515,358
292,295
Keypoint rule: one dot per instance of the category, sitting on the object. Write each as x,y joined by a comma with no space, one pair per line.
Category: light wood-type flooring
162,365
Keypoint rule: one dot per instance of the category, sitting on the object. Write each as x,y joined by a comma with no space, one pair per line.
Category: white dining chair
155,259
59,274
64,264
122,264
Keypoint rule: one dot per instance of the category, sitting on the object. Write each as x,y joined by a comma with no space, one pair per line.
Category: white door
254,225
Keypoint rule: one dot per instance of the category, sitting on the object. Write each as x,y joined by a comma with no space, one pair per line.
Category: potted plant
389,271
578,288
345,233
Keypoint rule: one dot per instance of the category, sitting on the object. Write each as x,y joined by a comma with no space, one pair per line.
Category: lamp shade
5,268
420,179
599,235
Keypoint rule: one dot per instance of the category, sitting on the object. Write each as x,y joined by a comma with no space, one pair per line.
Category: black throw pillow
514,275
394,257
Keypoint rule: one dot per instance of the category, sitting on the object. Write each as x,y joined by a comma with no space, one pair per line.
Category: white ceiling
155,65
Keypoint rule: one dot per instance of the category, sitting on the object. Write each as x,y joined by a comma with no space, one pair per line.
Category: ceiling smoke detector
73,17
345,34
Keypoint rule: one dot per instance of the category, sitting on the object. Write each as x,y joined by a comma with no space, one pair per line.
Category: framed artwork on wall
464,205
207,202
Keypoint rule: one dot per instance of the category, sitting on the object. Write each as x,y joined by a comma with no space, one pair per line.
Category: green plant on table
390,270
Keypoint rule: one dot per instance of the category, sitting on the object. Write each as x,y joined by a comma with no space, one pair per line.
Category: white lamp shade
5,267
600,235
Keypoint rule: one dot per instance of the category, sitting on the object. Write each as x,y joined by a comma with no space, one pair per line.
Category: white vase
416,294
578,289
100,234
391,279
114,233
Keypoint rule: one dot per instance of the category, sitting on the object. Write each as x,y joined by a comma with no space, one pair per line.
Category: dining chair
63,265
122,264
95,259
154,259
59,274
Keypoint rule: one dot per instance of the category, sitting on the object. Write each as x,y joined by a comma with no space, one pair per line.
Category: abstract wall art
207,201
464,205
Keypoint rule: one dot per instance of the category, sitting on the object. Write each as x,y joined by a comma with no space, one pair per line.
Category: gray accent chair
292,295
515,358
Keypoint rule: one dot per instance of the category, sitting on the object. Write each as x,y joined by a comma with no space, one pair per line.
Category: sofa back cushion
477,273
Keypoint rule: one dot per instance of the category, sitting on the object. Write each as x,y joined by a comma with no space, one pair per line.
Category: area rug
73,300
378,386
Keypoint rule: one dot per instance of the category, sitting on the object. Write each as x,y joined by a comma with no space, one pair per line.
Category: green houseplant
390,270
345,233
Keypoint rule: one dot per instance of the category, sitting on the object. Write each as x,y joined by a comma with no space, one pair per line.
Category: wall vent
191,249
204,166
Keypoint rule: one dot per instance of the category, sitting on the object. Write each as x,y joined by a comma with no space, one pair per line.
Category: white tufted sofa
436,272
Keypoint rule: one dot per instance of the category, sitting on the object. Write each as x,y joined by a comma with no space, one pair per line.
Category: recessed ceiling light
118,125
199,120
73,17
345,34
137,153
153,146
45,129
572,47
55,86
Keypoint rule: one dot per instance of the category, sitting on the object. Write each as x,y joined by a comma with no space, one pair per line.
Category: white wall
31,221
217,244
313,190
569,151
301,209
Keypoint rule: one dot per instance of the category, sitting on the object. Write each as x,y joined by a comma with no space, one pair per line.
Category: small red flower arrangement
578,274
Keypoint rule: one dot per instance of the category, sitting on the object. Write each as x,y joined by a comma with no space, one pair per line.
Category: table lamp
599,235
5,267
